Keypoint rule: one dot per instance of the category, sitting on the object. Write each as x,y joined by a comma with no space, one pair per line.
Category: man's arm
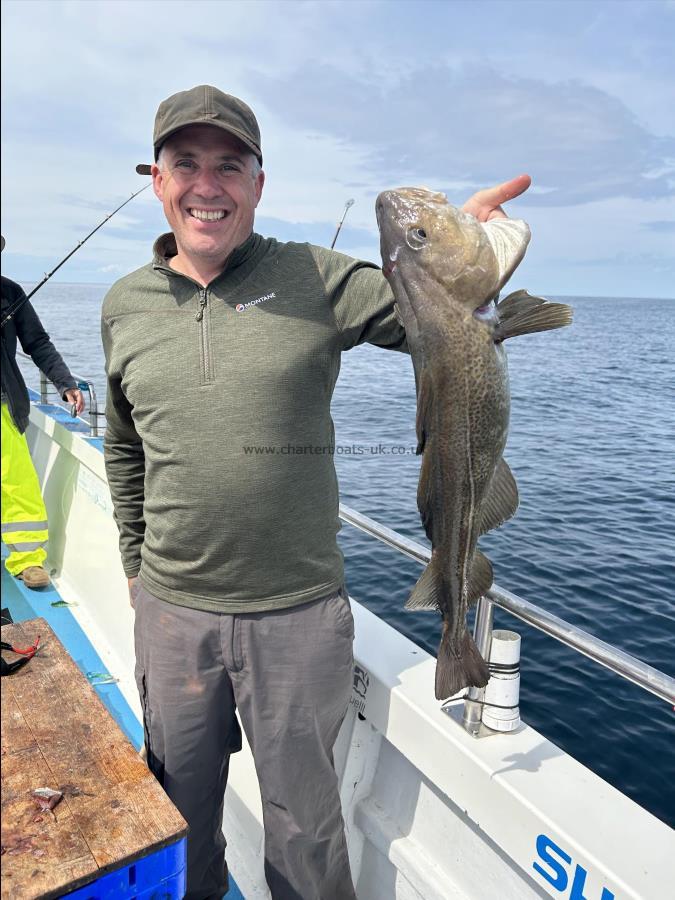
36,343
125,467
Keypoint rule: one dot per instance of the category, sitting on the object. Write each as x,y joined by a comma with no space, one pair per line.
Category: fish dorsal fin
509,239
521,313
501,499
425,593
481,577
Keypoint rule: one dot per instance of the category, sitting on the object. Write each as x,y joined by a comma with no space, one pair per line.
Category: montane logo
240,307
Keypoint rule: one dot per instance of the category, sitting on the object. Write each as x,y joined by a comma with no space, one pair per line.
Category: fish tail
458,668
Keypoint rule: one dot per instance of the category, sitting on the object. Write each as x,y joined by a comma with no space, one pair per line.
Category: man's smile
207,215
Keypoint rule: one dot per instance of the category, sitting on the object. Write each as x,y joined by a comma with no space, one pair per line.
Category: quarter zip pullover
208,388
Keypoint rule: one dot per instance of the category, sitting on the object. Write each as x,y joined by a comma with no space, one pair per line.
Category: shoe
34,577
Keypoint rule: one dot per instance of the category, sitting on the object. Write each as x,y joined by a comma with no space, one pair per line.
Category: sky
353,97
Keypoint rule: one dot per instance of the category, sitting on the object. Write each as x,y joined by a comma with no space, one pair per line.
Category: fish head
429,245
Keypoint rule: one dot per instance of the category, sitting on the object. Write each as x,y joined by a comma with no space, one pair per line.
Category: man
24,518
226,343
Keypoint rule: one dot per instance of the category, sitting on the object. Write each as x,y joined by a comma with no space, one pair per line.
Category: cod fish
446,270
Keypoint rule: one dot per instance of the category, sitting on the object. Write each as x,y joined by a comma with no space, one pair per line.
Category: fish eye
416,238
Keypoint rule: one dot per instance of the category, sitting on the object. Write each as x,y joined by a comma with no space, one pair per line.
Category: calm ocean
591,446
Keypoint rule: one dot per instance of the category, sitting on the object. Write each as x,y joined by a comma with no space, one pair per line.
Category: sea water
591,445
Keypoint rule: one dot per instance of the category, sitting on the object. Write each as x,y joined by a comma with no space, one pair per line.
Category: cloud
348,105
662,226
314,232
472,124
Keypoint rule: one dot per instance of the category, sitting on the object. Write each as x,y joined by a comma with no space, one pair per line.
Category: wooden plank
57,733
41,848
14,733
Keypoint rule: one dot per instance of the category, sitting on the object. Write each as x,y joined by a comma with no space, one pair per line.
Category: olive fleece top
218,448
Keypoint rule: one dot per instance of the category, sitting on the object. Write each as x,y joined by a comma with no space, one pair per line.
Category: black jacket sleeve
35,342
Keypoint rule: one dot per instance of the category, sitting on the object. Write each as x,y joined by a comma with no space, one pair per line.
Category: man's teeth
207,215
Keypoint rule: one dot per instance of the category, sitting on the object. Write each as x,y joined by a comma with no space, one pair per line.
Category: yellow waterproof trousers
24,517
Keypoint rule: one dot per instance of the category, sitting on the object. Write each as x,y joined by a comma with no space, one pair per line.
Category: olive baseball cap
204,105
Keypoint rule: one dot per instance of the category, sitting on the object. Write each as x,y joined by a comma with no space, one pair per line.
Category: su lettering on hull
555,867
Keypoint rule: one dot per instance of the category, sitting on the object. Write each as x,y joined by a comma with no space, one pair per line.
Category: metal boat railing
83,384
623,664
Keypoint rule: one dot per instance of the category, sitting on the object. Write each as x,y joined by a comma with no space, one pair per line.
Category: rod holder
502,693
482,635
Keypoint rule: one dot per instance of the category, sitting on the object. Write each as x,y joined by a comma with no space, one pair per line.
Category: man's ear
259,183
157,181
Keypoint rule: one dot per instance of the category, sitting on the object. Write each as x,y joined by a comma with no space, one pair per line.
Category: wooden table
57,733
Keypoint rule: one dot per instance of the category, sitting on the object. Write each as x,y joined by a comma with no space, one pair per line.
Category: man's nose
208,184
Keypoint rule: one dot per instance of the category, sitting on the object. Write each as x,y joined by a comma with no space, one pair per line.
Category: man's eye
185,164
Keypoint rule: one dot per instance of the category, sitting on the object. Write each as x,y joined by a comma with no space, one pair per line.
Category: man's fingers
76,397
486,204
134,587
501,193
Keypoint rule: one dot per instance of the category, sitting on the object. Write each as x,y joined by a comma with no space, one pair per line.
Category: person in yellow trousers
24,517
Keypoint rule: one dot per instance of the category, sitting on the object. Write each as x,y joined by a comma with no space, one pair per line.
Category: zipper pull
202,305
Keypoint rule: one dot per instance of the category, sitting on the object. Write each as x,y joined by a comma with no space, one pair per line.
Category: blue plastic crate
160,876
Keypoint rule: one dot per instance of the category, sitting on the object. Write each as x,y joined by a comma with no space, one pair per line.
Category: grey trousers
289,674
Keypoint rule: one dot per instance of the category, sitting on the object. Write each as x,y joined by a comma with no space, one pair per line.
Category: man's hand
486,204
75,397
134,586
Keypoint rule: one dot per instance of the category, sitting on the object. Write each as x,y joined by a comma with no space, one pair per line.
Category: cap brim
144,169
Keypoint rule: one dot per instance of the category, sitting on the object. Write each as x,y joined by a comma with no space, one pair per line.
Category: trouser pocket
154,762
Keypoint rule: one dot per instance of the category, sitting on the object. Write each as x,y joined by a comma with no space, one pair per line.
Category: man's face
208,192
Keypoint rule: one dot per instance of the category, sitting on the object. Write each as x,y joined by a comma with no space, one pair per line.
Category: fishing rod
23,300
339,225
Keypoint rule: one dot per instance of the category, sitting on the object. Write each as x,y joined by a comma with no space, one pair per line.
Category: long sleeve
362,301
36,343
125,466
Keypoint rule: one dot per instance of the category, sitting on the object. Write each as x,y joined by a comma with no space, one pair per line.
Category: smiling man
220,354
209,183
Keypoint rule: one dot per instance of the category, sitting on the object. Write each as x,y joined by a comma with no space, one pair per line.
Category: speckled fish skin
445,269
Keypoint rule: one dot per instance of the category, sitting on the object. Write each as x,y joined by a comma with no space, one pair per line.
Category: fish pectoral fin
459,667
481,577
501,499
521,313
425,593
509,239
